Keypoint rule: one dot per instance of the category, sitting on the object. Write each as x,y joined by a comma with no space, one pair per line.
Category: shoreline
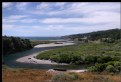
30,58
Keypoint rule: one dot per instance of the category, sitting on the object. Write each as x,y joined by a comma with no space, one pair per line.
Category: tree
15,44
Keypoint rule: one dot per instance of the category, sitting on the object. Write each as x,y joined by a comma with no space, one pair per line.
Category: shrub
100,67
76,59
104,59
92,69
91,59
55,58
97,68
115,58
117,66
117,63
110,68
63,77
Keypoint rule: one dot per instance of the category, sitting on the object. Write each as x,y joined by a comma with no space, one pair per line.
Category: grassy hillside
112,33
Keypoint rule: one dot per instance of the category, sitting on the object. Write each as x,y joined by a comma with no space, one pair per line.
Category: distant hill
112,33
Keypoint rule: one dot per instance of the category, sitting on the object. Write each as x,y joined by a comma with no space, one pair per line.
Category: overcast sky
58,18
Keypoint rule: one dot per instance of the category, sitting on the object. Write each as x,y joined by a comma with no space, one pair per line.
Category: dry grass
30,75
95,77
26,75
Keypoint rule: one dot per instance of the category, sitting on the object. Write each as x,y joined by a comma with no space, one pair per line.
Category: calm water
43,38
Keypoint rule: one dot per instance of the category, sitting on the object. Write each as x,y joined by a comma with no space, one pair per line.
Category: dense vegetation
15,44
112,34
112,66
87,53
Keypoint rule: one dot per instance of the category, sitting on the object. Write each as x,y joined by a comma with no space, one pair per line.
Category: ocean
42,38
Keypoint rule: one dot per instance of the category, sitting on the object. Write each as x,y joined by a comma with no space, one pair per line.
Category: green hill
112,33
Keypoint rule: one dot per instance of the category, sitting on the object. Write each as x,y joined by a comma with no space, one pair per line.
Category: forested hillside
14,44
112,33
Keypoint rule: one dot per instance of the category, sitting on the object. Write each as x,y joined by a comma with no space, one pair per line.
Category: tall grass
29,75
64,77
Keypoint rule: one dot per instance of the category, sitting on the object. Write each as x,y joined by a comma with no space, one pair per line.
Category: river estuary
10,60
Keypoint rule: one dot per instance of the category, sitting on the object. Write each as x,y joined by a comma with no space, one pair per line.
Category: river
10,60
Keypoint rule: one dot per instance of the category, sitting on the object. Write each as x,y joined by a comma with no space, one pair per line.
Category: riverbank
31,58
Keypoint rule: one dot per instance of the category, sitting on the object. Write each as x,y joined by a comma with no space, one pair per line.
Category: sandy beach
53,44
31,59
